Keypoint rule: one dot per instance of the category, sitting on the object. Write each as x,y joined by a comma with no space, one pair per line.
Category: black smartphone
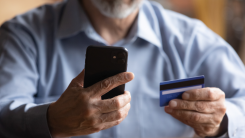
102,62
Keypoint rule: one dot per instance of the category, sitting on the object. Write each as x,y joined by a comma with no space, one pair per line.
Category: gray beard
116,8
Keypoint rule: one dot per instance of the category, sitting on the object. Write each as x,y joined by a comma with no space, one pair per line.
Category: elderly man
42,53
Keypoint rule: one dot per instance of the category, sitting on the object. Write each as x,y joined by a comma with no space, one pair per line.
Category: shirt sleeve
19,116
208,54
224,136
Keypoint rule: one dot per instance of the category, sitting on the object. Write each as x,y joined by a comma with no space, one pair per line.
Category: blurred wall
10,8
212,13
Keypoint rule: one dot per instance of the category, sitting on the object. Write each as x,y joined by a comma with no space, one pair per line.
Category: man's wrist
50,121
36,120
223,127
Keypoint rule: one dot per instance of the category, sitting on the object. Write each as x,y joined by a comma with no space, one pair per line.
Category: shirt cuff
236,120
224,136
36,121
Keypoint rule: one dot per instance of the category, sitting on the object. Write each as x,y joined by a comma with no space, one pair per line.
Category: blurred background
225,17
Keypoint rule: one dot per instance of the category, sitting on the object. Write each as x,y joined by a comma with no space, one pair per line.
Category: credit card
174,89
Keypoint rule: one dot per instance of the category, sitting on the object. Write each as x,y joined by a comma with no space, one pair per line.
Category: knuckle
118,122
211,94
223,109
124,76
105,84
184,105
195,117
117,103
217,120
113,80
120,114
119,78
97,129
129,97
200,107
222,94
128,106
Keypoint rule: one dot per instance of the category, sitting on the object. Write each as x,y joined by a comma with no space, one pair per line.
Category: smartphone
102,62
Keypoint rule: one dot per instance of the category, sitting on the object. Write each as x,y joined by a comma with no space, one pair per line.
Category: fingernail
186,96
129,76
173,103
169,110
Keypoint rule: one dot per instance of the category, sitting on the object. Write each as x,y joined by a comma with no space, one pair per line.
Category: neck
110,29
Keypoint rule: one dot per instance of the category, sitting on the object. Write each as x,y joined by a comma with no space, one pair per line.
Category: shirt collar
148,27
74,20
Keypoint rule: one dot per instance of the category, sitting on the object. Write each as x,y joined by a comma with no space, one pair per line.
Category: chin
117,8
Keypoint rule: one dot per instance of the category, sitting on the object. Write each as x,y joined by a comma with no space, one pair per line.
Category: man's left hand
202,109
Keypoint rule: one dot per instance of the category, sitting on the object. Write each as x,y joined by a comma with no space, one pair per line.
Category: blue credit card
174,89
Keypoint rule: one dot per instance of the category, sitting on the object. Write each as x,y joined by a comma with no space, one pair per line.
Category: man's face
117,8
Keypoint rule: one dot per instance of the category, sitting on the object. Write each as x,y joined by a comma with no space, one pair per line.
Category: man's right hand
80,111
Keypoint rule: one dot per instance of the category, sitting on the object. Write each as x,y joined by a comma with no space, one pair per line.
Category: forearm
23,120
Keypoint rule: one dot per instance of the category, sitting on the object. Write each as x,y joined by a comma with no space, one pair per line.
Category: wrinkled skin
80,111
202,109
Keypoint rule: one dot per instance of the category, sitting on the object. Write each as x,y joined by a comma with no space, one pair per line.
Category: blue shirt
42,50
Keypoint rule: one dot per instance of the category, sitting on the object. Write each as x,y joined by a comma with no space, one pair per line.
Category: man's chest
60,63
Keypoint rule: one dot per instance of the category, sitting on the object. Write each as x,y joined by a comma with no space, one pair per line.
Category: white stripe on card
181,89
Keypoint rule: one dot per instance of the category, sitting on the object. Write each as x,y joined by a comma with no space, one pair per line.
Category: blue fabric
42,50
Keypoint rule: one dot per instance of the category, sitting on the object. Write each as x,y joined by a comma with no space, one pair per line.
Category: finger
115,115
111,124
206,129
78,81
205,94
191,117
106,85
108,125
199,106
116,103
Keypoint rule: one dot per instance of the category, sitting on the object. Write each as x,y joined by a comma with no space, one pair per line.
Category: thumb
79,79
